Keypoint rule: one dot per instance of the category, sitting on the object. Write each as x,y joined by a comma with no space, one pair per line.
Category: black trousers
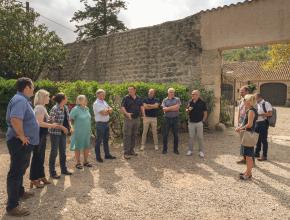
38,158
19,162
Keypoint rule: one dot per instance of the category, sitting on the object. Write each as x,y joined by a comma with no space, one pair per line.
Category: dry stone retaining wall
169,52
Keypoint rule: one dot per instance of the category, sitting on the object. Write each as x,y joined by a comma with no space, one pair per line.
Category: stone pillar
211,62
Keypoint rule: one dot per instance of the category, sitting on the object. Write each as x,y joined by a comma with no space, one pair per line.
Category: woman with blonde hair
81,121
248,135
37,175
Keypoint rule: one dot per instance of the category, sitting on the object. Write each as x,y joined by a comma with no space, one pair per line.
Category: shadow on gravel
279,165
150,165
107,176
81,184
280,195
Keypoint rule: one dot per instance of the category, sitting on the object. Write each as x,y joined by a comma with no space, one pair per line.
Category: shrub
226,113
7,90
114,95
252,87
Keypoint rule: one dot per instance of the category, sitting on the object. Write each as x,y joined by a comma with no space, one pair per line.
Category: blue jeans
58,142
262,129
170,123
102,135
20,159
37,162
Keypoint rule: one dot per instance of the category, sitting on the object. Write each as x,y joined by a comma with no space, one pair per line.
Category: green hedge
114,94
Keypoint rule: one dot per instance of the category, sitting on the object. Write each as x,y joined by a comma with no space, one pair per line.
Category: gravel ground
156,186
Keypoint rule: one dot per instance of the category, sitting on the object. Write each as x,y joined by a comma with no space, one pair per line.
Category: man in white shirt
241,116
264,111
102,113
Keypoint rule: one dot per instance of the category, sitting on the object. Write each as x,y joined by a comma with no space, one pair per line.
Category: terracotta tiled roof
228,6
254,70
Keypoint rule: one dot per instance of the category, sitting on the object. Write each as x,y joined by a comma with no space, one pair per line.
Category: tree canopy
279,54
26,49
99,19
247,54
273,55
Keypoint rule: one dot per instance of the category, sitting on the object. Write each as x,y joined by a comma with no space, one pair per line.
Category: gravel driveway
156,186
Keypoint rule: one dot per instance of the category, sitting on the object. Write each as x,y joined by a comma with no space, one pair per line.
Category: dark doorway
275,93
227,91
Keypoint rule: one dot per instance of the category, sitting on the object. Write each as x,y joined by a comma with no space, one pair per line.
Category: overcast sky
139,13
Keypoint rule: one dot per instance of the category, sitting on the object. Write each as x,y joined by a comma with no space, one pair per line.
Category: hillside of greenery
247,54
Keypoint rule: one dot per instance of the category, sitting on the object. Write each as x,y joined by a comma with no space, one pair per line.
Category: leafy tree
99,19
279,54
273,55
26,49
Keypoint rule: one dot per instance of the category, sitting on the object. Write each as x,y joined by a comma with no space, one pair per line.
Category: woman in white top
37,175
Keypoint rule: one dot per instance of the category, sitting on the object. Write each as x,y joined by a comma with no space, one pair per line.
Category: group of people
253,116
28,127
134,107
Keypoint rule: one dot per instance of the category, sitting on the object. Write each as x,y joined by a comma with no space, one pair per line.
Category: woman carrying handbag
248,135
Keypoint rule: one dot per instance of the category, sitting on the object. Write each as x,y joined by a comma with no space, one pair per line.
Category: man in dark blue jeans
264,110
22,135
170,106
102,113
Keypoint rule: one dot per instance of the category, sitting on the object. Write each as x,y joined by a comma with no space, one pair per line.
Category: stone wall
169,52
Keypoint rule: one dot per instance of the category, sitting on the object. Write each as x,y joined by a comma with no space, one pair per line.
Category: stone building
273,84
179,51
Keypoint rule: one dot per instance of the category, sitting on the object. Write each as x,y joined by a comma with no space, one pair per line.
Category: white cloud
140,13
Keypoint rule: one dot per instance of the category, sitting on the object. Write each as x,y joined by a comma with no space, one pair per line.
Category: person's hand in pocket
24,139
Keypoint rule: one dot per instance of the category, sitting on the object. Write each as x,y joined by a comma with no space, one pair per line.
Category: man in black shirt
132,108
197,112
151,106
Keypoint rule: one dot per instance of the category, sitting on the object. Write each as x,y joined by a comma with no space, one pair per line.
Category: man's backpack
272,119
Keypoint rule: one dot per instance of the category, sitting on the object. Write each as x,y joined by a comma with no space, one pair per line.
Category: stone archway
240,25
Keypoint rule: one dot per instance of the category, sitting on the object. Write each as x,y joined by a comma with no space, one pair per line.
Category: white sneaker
189,153
142,147
156,147
201,154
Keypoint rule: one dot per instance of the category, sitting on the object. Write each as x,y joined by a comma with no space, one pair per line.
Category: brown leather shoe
36,183
18,212
243,161
45,181
133,153
27,195
262,159
126,157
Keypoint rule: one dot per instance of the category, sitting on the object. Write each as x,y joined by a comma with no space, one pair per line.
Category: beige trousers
147,121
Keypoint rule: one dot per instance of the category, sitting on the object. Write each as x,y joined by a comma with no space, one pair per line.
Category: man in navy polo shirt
132,108
197,112
151,106
22,135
